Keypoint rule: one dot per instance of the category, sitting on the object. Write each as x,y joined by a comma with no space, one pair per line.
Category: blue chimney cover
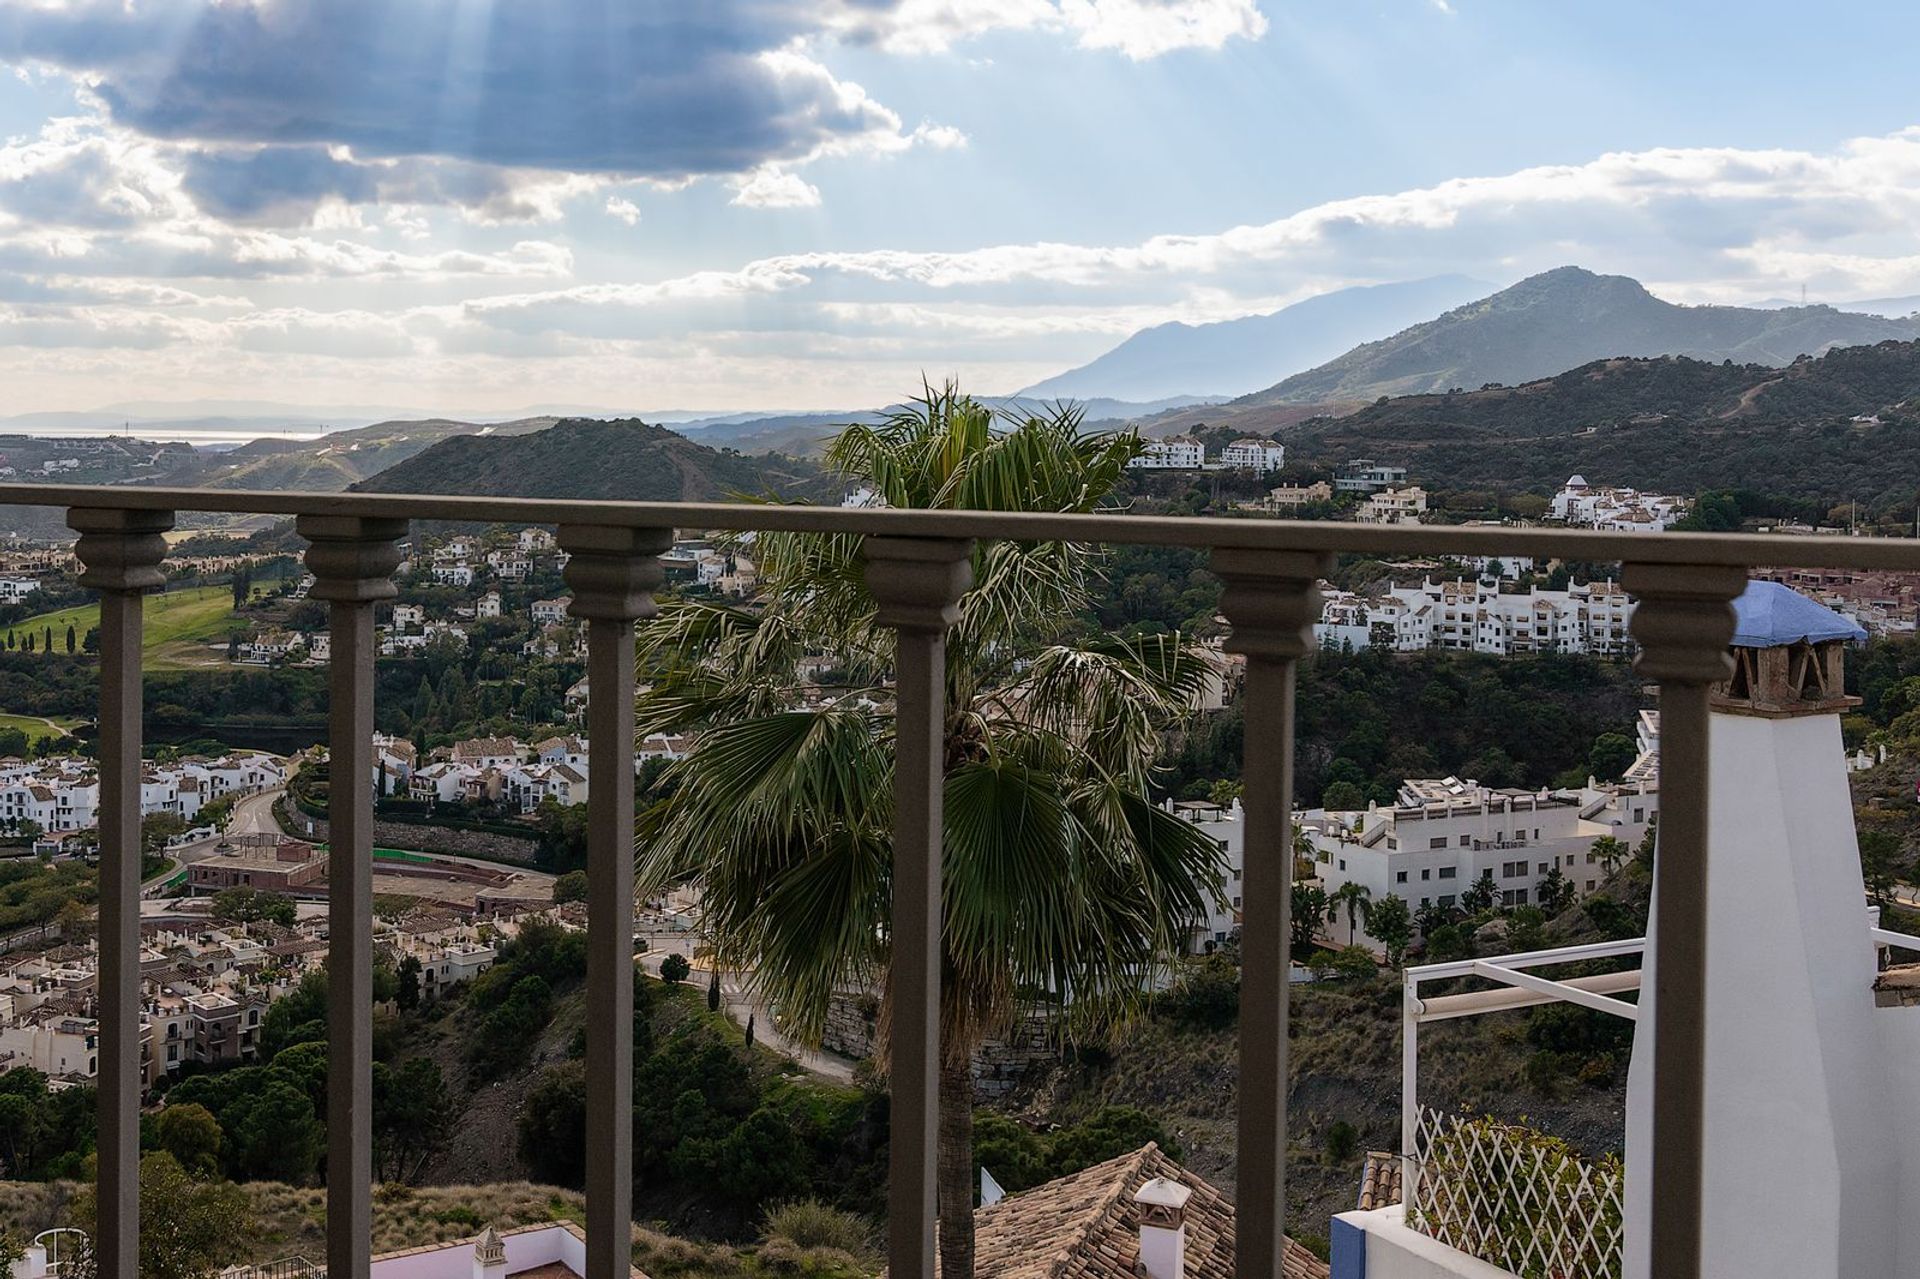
1768,614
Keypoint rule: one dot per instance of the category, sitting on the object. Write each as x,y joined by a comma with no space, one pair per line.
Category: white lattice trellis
1516,1198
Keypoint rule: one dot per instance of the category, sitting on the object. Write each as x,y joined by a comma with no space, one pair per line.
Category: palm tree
1358,900
1059,873
1309,904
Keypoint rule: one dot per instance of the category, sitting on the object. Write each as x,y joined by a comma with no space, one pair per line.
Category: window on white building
1446,872
1438,841
1400,877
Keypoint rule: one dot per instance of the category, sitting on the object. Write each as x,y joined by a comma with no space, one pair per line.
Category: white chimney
489,1255
1163,1228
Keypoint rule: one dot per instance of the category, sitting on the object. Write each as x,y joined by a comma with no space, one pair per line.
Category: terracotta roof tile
1087,1226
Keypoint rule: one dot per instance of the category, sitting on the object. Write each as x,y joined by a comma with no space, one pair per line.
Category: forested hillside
1842,426
626,460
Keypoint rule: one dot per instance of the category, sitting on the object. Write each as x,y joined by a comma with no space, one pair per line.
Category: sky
478,206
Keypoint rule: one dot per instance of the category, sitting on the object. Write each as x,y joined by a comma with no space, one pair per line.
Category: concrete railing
917,569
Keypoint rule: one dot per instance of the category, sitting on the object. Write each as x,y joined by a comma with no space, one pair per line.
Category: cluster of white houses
1442,835
1617,510
60,794
1476,616
501,770
1184,453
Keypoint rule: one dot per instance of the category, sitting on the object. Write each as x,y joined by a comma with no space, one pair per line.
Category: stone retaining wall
429,839
853,1020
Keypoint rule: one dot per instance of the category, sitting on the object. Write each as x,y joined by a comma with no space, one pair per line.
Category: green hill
1845,426
625,460
338,460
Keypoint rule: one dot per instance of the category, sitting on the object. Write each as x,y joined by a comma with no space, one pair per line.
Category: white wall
1806,1134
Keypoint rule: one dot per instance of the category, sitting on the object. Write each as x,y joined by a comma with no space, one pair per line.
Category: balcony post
352,559
917,583
613,573
1683,625
1271,600
121,553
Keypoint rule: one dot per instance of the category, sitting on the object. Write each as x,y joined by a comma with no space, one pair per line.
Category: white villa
1476,617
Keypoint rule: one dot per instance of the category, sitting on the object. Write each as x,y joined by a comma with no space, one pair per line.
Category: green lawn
36,728
175,623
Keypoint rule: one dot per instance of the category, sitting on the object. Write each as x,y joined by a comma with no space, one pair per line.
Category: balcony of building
1781,956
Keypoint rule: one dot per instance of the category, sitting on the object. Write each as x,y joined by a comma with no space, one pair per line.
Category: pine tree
73,641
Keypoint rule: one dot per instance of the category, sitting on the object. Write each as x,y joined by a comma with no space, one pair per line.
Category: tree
73,640
411,1115
1610,852
1309,907
1060,871
408,994
674,968
1555,892
189,1228
1430,918
1391,924
572,886
191,1134
1879,862
1611,756
1343,797
1481,895
1357,899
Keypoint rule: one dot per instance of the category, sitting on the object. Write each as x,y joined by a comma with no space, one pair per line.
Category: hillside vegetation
1842,426
577,458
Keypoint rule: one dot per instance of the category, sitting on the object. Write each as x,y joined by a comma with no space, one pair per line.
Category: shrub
674,968
1207,995
1342,1141
808,1223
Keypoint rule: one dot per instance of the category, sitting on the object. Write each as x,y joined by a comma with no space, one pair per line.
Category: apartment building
1175,453
1477,617
1442,834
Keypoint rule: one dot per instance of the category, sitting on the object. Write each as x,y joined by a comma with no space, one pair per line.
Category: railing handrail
1587,545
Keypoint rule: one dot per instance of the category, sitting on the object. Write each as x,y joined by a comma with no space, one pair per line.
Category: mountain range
1237,357
1544,325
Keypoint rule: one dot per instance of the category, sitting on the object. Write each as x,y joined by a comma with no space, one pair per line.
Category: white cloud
941,137
624,209
1136,28
776,189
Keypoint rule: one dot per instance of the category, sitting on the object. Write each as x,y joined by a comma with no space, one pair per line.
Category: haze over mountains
1235,357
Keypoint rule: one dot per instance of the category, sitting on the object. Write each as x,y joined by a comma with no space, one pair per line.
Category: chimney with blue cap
1788,656
1813,1092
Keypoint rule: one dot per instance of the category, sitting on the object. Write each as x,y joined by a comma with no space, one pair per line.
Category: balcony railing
917,568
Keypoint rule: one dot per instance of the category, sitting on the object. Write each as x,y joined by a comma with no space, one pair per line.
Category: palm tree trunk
955,1170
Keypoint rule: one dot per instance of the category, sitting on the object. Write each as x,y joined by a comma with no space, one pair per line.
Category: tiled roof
1379,1181
1087,1226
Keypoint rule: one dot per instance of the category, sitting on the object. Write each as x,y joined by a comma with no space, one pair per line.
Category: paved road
740,1005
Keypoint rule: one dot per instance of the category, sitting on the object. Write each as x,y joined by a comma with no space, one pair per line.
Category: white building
1441,835
487,605
1393,506
458,573
550,611
1175,453
1477,617
1619,510
15,589
1254,454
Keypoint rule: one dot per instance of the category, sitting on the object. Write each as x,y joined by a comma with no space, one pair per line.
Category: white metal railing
916,568
1495,1191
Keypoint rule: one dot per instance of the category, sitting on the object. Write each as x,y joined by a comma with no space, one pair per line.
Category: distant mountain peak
1563,318
1233,357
